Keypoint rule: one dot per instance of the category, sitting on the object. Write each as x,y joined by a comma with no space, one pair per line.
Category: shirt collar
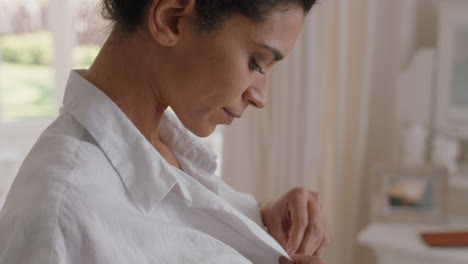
144,172
194,157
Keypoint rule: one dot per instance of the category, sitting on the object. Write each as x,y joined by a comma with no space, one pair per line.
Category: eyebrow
276,53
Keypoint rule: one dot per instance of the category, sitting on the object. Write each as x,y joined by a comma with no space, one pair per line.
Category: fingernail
283,260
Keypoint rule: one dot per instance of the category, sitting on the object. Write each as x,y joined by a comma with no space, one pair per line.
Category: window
26,76
40,41
35,40
91,31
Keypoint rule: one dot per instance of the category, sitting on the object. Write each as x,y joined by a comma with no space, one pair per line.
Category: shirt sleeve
243,202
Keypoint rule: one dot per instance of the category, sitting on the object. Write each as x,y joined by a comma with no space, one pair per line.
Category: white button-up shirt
94,190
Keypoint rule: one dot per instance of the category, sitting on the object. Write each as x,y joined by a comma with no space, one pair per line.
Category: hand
296,221
301,259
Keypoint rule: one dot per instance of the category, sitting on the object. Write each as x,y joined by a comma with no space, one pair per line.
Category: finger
284,260
320,249
315,233
299,220
278,232
312,241
304,259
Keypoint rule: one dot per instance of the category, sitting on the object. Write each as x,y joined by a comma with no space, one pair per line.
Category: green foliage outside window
35,49
26,77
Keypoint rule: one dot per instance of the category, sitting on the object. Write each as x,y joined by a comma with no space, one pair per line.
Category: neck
121,72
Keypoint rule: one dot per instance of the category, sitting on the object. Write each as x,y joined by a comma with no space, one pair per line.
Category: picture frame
451,96
410,194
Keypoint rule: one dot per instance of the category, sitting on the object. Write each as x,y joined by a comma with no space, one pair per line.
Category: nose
257,95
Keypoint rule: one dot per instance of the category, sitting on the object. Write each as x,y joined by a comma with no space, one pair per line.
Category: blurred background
370,110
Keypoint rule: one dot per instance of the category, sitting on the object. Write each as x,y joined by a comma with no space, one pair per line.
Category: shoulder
64,160
32,211
45,170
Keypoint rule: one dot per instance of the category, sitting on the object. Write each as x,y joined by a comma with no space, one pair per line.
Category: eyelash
255,67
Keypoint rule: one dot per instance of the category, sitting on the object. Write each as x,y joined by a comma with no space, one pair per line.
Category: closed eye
253,65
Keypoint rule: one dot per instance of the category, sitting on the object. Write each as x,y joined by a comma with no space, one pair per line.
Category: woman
118,179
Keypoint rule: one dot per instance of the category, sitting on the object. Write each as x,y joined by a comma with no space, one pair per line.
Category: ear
164,19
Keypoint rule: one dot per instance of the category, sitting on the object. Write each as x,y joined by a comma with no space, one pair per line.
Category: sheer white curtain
272,150
312,133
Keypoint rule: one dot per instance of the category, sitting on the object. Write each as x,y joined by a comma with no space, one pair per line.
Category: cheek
218,84
232,78
211,78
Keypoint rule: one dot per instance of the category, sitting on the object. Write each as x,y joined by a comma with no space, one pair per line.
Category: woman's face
212,78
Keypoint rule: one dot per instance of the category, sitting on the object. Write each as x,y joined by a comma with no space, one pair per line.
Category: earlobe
164,19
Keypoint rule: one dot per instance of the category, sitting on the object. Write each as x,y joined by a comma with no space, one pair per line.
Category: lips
231,113
229,118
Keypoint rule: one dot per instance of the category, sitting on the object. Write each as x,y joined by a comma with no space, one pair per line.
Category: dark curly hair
129,14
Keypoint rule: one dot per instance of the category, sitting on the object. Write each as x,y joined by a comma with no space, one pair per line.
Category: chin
202,131
205,132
